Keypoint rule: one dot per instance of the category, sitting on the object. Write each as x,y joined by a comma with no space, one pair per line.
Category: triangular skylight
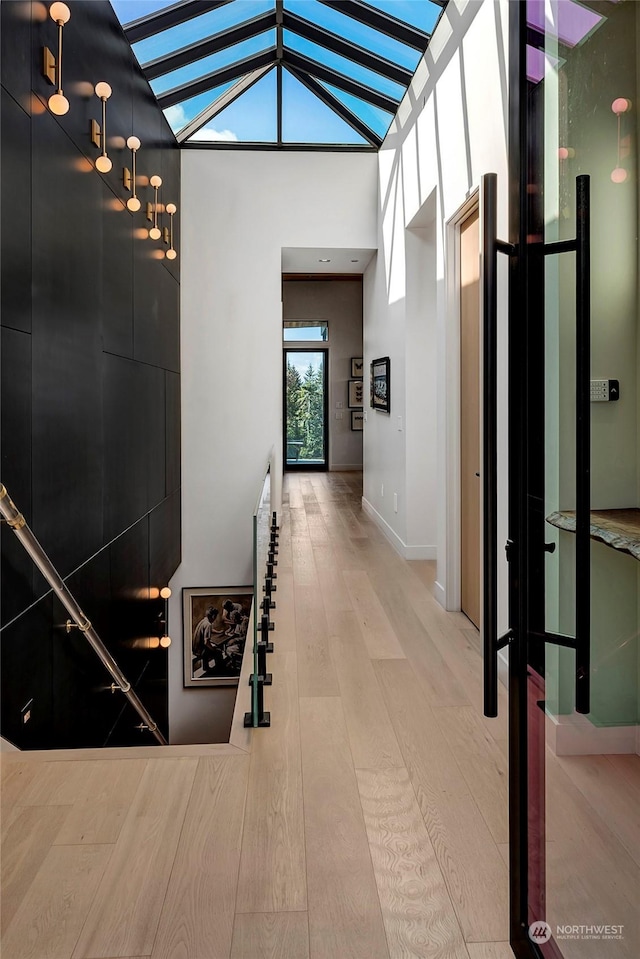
341,66
306,119
252,118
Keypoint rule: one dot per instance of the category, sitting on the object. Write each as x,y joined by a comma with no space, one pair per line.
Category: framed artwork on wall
380,390
357,420
357,367
215,623
356,394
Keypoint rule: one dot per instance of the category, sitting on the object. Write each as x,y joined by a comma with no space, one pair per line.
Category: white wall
451,128
239,209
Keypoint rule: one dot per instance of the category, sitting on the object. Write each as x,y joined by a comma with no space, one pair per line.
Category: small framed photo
357,420
357,367
380,384
215,624
356,394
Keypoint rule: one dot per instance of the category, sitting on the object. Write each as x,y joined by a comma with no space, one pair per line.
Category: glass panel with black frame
582,861
305,409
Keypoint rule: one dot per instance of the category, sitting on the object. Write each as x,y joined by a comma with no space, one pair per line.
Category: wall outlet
339,414
25,712
339,405
395,502
400,424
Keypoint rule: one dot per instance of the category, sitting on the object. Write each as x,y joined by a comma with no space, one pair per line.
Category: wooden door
470,412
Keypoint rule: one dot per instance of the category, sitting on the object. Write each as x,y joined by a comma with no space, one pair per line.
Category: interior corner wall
90,383
240,208
340,303
450,129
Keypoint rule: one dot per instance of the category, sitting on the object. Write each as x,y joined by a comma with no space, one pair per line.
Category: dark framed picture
380,384
215,624
357,367
356,394
357,420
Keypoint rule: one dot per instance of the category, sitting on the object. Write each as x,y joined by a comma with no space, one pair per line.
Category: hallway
369,821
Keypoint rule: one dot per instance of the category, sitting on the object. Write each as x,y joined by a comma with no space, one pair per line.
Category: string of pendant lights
59,105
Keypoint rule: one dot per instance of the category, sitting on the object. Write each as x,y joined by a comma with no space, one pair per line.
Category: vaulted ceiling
283,73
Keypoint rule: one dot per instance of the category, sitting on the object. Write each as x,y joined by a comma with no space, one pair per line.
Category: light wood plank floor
369,821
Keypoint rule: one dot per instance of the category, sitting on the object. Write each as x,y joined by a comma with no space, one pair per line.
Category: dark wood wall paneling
90,379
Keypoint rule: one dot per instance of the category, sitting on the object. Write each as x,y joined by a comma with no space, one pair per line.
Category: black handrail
583,444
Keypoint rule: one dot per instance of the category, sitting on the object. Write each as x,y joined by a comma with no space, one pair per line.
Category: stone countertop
618,528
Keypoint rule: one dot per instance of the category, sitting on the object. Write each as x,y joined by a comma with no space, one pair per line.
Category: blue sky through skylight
347,67
306,119
215,62
253,116
184,34
356,32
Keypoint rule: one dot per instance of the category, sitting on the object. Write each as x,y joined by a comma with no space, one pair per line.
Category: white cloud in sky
175,116
210,133
177,119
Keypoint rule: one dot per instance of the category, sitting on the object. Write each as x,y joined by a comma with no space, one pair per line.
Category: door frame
306,467
453,562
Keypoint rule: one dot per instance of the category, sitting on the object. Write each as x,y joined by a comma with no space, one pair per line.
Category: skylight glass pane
128,10
182,113
199,28
350,29
347,67
306,119
217,61
252,118
377,120
417,13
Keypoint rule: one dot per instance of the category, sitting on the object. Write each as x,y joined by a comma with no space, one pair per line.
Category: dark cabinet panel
66,330
15,407
15,199
172,381
125,443
26,650
15,49
156,310
156,435
116,274
134,613
91,327
164,540
134,435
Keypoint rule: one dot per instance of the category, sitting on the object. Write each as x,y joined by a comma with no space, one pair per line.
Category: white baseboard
503,667
406,551
575,735
439,593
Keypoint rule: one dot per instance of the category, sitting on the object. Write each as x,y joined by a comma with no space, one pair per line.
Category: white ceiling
307,260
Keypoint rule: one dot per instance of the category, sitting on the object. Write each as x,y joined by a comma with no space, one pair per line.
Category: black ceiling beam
441,3
305,65
169,17
217,78
347,49
213,44
378,20
334,104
